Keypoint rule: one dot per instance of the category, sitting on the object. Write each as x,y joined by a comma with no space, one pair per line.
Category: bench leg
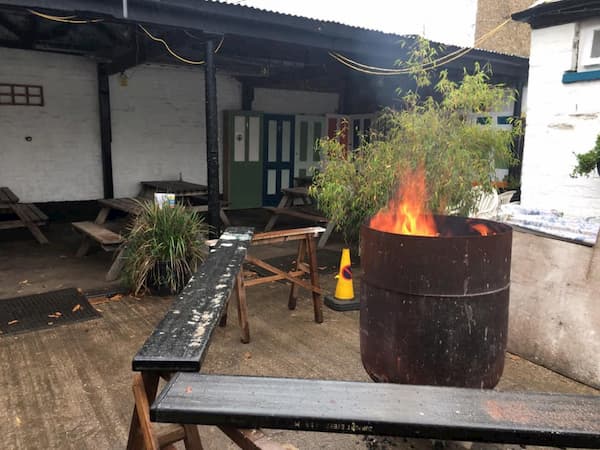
116,267
282,204
192,438
141,435
294,287
84,248
224,218
314,278
325,236
240,290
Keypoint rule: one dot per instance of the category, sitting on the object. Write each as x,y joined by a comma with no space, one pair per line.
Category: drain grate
47,310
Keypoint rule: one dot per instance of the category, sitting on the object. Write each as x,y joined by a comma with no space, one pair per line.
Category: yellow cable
163,42
65,19
373,70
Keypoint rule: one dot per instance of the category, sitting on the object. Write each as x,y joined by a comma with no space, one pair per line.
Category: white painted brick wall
562,119
158,125
62,161
284,101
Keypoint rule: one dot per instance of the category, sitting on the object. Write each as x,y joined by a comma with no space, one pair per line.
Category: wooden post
212,146
105,131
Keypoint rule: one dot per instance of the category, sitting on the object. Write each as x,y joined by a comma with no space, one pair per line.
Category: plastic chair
487,206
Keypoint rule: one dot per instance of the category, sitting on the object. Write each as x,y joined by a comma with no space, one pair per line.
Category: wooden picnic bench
306,211
28,215
236,404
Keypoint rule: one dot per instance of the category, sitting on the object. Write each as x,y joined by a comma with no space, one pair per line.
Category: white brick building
563,109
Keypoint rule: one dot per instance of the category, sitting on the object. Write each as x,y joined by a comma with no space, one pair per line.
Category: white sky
447,21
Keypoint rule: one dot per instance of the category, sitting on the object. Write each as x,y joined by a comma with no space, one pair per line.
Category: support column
212,144
105,131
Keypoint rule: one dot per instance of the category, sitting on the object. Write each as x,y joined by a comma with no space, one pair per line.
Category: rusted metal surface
435,310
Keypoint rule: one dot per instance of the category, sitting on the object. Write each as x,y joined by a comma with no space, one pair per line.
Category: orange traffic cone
344,291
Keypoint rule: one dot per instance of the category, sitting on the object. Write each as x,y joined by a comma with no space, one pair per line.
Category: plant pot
162,289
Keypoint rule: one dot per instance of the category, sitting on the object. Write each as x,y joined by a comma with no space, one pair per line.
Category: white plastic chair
487,206
505,197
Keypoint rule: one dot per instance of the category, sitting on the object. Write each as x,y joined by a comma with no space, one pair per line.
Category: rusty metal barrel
434,310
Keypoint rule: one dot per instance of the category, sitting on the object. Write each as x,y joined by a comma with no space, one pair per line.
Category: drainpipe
125,10
212,146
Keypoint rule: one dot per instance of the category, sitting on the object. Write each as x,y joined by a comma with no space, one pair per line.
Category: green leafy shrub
163,247
588,161
440,135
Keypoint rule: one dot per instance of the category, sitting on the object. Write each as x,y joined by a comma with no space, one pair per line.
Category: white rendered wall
63,160
284,101
561,119
158,125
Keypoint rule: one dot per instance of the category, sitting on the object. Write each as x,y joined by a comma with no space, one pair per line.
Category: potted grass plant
162,249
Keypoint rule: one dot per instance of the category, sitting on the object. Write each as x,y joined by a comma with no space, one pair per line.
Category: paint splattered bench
236,404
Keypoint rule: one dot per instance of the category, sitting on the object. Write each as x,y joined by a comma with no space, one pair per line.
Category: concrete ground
70,387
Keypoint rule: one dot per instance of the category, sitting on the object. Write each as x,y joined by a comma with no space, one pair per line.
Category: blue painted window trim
574,77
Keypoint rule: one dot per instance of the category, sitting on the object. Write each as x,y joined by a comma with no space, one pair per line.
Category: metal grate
47,310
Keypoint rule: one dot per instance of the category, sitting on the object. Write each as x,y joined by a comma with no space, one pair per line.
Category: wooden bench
305,264
301,212
181,339
28,215
108,240
443,413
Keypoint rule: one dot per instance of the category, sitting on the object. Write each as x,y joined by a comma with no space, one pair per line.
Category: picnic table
98,231
306,210
29,215
186,190
178,187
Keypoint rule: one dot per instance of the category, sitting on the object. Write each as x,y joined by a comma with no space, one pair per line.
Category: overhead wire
64,19
382,71
75,21
164,43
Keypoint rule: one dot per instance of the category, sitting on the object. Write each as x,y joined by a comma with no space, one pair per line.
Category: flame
407,212
482,229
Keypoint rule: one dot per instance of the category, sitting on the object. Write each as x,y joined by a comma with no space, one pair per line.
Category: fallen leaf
12,322
50,323
80,290
289,447
24,282
188,389
58,313
53,316
77,307
248,355
17,421
116,297
98,309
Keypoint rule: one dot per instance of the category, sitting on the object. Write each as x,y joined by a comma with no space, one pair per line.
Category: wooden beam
105,131
212,146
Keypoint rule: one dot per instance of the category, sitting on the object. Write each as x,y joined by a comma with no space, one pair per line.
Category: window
21,94
589,46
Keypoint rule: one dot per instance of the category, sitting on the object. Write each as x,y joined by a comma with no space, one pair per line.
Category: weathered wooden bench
108,239
180,341
28,215
443,413
303,213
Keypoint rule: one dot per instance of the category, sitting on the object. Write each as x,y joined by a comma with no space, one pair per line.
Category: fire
407,212
482,229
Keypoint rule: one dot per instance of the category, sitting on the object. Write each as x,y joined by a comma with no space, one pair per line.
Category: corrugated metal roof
241,4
